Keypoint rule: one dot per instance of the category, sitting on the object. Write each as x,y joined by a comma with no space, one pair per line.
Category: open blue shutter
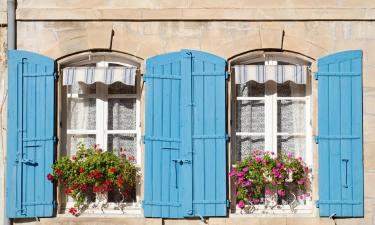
162,137
340,134
208,130
30,147
185,139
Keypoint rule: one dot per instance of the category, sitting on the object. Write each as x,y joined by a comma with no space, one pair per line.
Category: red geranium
112,169
50,177
81,170
83,186
73,211
68,191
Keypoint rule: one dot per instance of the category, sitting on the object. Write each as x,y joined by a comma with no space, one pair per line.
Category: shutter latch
316,75
228,203
227,75
317,204
55,76
317,139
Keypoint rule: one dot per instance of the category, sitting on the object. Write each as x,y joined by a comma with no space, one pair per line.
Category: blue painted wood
31,131
162,169
185,166
340,126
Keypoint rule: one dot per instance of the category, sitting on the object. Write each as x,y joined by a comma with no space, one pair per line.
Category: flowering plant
263,174
93,171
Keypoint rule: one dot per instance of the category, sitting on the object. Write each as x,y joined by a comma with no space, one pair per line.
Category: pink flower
232,173
268,192
300,158
240,174
281,193
238,193
256,201
245,169
306,169
290,155
301,182
73,211
258,159
247,183
241,205
308,194
301,197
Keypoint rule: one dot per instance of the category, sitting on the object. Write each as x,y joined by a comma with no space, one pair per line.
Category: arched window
100,105
271,109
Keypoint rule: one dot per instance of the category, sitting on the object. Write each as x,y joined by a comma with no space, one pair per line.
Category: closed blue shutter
340,135
30,151
185,146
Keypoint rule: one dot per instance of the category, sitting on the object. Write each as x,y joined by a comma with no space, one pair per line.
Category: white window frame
270,135
102,133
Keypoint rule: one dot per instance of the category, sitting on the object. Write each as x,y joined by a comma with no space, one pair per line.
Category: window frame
101,131
271,133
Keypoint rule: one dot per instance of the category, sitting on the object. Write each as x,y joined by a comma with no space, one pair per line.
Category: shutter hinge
316,74
228,203
55,139
317,139
227,75
143,139
55,76
317,204
227,137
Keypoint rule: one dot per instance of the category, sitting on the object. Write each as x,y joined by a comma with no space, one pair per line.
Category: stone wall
226,39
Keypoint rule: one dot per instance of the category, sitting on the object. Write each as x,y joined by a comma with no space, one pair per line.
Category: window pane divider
121,131
249,134
292,98
81,131
81,96
122,96
290,134
250,98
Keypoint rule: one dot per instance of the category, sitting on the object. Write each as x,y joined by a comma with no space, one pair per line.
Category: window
102,114
273,117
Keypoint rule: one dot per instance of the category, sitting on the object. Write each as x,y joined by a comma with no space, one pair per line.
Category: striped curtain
264,73
106,75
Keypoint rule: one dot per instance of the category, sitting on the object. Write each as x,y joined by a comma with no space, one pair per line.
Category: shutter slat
340,135
30,146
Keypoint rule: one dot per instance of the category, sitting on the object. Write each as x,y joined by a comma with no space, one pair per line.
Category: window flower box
264,179
91,174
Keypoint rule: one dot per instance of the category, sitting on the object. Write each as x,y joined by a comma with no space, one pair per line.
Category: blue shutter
340,135
185,145
208,145
162,137
30,151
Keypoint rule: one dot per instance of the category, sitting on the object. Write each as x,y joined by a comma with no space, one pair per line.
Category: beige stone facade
146,28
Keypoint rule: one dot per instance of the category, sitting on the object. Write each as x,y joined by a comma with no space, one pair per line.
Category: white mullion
270,114
100,96
292,98
290,134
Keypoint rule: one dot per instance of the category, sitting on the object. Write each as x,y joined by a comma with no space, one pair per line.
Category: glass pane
121,114
123,144
290,89
120,88
82,88
250,116
81,114
72,140
249,143
117,196
251,89
292,144
291,116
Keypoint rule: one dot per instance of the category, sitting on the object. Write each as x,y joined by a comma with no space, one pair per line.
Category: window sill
112,210
278,211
